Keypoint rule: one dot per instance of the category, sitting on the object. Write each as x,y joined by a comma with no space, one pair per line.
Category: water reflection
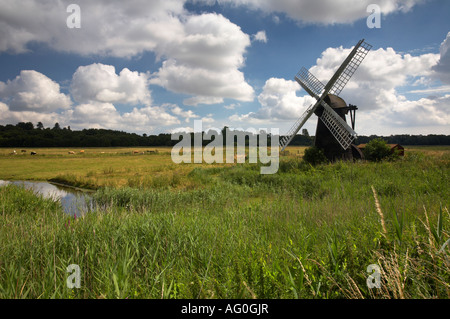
72,201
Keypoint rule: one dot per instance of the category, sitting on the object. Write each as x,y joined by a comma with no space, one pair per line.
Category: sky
157,66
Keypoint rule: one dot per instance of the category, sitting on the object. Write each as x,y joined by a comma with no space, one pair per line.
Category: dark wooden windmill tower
333,135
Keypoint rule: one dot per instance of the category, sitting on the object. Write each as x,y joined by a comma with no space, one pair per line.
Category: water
73,201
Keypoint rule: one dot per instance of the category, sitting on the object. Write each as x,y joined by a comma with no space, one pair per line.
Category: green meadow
163,230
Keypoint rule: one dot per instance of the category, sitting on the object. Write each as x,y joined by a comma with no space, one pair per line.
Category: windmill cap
335,101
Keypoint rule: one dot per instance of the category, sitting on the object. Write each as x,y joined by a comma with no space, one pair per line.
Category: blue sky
156,66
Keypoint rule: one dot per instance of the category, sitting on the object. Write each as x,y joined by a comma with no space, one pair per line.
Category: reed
379,211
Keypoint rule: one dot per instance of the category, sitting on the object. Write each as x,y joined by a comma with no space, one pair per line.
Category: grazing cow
239,158
33,153
82,151
23,151
71,152
135,152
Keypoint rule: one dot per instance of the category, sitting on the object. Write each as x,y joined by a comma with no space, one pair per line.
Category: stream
72,200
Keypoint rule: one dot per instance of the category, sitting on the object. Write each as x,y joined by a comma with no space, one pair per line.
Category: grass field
226,231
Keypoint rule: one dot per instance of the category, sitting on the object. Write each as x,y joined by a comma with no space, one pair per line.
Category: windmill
333,135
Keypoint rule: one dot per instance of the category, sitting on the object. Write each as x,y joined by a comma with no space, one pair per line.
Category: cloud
196,100
204,60
278,101
231,106
426,115
260,36
187,115
8,116
442,68
423,112
441,89
374,84
385,67
208,119
182,130
107,27
324,11
95,115
205,83
100,83
33,91
375,88
97,87
33,97
202,53
105,115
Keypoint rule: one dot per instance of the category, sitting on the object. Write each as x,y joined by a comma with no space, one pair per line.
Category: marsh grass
229,232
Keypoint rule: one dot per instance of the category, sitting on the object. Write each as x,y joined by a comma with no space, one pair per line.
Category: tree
377,150
314,156
40,126
56,127
25,126
305,132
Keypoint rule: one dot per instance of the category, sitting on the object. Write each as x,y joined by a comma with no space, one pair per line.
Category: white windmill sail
309,83
315,88
343,133
284,141
356,57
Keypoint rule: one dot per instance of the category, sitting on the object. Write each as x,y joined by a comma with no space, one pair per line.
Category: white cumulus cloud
105,115
278,101
375,88
99,82
202,54
443,66
260,36
204,61
8,116
187,115
33,97
108,27
374,85
33,91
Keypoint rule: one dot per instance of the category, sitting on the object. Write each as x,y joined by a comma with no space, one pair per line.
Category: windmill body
333,135
324,138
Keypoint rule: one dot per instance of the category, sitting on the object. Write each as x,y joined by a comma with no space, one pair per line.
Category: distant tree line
27,135
405,139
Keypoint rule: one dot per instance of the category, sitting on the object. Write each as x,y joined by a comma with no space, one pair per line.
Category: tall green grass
306,232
